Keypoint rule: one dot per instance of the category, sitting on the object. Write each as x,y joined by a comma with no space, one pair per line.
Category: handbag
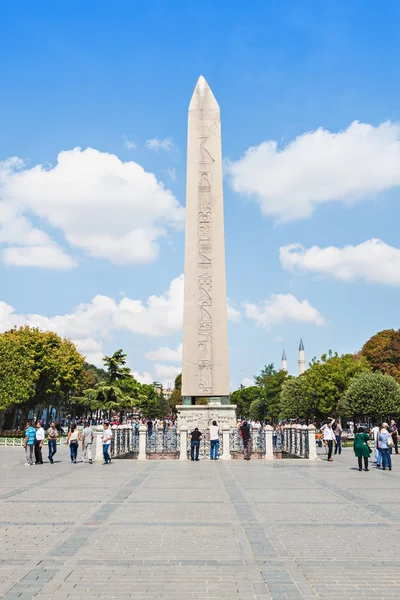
390,442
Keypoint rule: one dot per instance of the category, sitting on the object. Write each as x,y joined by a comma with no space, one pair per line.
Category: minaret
205,370
284,361
302,358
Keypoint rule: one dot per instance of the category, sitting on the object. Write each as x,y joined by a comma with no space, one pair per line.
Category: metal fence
163,442
257,438
125,441
296,441
204,448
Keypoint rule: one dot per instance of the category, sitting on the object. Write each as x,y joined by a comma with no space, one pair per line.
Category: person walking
329,438
29,444
394,432
375,432
52,435
73,441
39,439
195,439
385,444
214,441
87,441
361,448
338,437
245,434
107,437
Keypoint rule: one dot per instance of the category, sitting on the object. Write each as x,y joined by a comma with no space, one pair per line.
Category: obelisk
205,371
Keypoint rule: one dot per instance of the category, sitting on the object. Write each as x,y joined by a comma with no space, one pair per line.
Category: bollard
98,449
226,454
142,442
269,443
312,446
183,441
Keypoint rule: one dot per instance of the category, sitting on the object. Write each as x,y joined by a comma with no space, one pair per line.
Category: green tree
328,378
270,382
50,365
296,400
17,373
382,351
176,395
118,391
258,409
153,405
372,395
243,398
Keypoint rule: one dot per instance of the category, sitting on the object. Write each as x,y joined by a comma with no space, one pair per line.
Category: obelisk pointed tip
203,98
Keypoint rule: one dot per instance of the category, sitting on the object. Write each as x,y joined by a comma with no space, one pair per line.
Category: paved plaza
209,530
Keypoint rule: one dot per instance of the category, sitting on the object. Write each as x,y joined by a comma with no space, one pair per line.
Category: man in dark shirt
195,438
245,434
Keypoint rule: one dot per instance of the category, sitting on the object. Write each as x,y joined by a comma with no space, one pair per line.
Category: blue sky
87,238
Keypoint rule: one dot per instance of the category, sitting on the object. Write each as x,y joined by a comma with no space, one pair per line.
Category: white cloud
144,377
171,173
48,257
89,325
281,308
106,207
373,261
165,354
157,144
234,314
247,382
319,167
129,145
166,372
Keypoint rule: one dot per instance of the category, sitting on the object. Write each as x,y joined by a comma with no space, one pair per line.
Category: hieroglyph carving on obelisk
205,337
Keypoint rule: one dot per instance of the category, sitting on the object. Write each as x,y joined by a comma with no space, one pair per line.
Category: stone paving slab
174,530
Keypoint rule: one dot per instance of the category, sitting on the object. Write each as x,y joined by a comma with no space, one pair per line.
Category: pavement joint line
354,498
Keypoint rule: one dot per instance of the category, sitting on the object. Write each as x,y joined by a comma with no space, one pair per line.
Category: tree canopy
176,395
382,351
371,394
37,369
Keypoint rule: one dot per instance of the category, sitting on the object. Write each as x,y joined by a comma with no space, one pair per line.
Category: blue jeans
338,444
378,457
52,449
73,450
214,449
106,454
386,458
194,446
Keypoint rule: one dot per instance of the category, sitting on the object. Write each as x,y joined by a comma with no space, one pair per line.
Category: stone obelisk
205,371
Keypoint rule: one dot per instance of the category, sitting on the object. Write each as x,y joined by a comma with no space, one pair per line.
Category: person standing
149,427
394,431
361,448
107,437
29,444
245,434
195,439
87,441
338,437
385,444
52,435
73,442
214,441
39,439
329,438
378,457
